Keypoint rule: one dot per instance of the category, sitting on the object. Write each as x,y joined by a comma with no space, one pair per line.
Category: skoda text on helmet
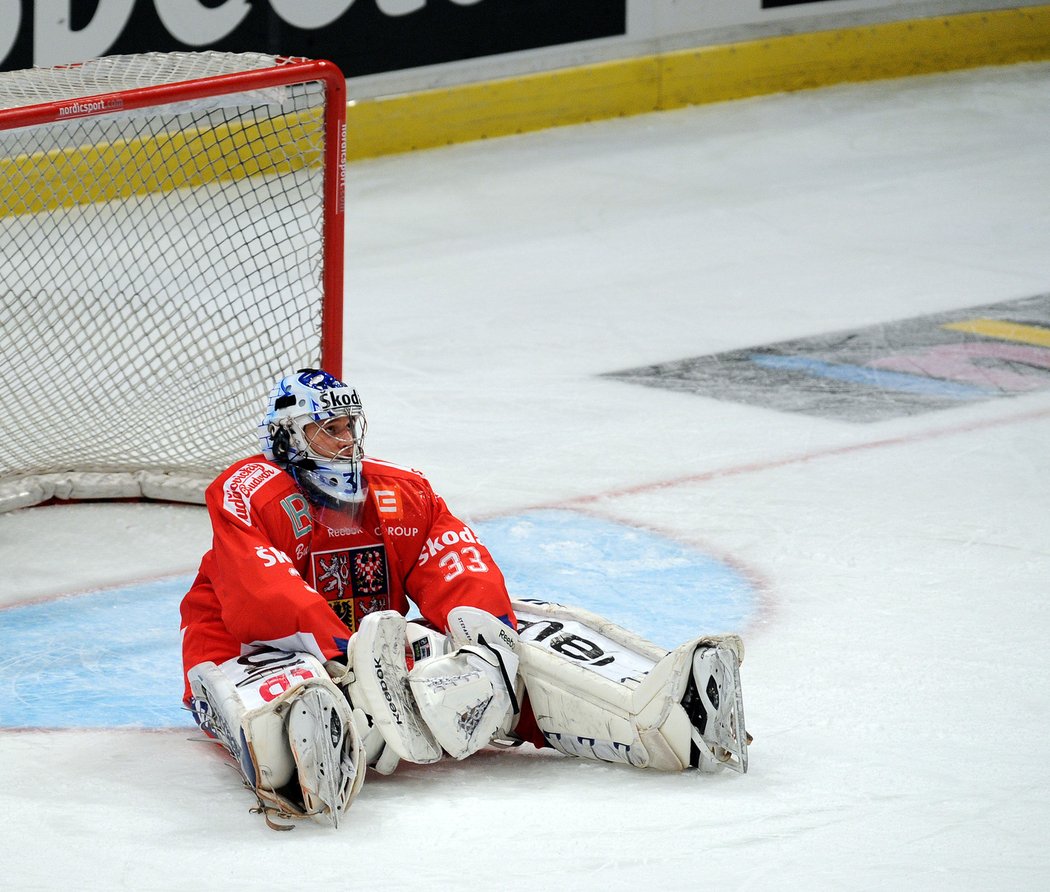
315,428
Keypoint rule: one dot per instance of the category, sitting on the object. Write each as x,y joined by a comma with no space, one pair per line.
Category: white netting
113,74
157,272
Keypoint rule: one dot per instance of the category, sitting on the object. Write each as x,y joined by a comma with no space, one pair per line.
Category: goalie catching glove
469,697
452,702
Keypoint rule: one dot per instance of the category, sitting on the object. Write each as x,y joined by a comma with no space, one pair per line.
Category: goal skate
714,702
328,757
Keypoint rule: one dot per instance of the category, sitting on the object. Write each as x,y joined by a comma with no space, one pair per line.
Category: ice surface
897,678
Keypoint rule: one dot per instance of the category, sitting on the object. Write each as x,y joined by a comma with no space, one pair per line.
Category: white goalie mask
315,428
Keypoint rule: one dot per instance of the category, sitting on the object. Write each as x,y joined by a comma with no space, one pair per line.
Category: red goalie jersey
278,575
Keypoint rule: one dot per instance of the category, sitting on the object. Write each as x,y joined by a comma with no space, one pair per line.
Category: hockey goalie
300,661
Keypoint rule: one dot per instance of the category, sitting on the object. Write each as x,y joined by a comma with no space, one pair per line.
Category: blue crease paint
112,659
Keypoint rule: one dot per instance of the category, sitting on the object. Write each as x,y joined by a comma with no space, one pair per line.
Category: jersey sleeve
262,595
454,568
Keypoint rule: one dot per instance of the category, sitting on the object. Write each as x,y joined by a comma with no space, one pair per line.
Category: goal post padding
171,241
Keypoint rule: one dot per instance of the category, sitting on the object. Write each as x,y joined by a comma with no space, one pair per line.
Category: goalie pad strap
501,657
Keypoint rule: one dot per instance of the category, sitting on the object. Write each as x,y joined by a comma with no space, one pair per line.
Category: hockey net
171,241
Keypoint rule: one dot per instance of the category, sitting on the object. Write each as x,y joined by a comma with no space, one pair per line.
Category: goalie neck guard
314,427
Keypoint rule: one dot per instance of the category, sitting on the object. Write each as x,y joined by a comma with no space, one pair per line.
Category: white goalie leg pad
468,697
377,683
220,711
601,692
288,727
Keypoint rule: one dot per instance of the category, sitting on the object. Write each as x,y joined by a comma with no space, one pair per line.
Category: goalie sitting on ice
299,660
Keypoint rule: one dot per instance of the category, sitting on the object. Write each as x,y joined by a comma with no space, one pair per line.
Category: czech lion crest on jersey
354,580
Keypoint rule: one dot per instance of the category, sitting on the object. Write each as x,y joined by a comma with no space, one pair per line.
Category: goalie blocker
302,734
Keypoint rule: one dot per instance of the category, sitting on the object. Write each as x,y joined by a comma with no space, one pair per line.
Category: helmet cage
339,437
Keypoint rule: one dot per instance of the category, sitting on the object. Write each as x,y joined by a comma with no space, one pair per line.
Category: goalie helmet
314,427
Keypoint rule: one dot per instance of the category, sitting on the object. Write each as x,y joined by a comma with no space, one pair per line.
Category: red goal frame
186,87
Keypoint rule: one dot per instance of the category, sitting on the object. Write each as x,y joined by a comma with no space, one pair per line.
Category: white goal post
171,242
